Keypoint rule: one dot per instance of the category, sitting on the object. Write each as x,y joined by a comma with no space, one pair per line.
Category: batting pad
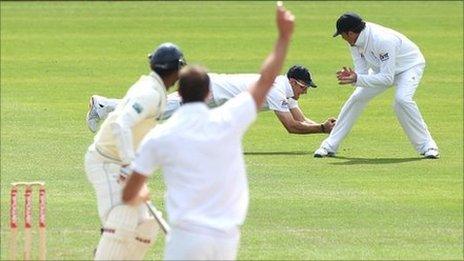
118,231
145,236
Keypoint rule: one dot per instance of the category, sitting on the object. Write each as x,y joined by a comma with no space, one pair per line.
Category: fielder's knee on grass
118,231
145,236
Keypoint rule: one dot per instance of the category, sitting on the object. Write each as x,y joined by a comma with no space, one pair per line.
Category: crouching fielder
128,232
382,57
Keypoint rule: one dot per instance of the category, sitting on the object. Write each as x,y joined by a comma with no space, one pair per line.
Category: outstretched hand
285,21
329,124
346,76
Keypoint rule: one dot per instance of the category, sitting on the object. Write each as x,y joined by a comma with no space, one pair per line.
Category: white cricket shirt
226,86
121,133
386,52
200,153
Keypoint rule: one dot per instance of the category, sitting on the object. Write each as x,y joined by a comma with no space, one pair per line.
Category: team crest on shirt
383,57
284,103
137,107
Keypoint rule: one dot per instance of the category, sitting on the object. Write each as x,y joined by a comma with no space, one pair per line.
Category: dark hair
163,72
349,22
193,84
359,27
302,74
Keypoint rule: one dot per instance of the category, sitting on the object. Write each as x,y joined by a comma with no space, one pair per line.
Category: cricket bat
159,219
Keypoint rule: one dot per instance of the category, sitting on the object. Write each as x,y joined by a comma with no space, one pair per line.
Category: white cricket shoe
431,153
93,118
323,152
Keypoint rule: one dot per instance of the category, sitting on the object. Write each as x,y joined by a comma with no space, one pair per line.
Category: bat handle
159,219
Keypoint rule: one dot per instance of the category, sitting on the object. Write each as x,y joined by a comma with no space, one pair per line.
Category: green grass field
377,200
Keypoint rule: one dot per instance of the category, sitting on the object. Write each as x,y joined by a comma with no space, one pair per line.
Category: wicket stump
27,219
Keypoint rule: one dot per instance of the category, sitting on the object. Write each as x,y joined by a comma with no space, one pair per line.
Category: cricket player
282,99
207,191
128,232
382,57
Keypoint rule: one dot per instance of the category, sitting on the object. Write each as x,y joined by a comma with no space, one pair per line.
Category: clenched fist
329,124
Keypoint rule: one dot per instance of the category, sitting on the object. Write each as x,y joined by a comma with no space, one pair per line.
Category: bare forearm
273,63
309,121
132,190
298,115
303,127
269,70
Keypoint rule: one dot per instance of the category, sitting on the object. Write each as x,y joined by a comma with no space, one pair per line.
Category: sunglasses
301,84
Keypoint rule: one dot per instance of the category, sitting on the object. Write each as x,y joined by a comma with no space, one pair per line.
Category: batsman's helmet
167,56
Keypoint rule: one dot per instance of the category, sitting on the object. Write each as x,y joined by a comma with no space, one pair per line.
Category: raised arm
273,63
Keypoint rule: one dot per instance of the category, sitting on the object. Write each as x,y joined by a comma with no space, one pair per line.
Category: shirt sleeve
147,159
277,101
135,110
239,111
292,103
386,53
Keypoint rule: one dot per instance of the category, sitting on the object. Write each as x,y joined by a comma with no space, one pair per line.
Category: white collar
361,42
194,107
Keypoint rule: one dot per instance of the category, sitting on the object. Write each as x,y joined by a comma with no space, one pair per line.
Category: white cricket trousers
103,174
407,112
190,244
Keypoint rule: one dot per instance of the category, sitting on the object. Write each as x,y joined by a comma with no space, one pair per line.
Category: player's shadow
373,161
277,153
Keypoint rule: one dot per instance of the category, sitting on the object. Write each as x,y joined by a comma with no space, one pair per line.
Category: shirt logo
137,107
384,57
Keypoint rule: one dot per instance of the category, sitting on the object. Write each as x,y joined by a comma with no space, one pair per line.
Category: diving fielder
128,232
382,57
282,99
